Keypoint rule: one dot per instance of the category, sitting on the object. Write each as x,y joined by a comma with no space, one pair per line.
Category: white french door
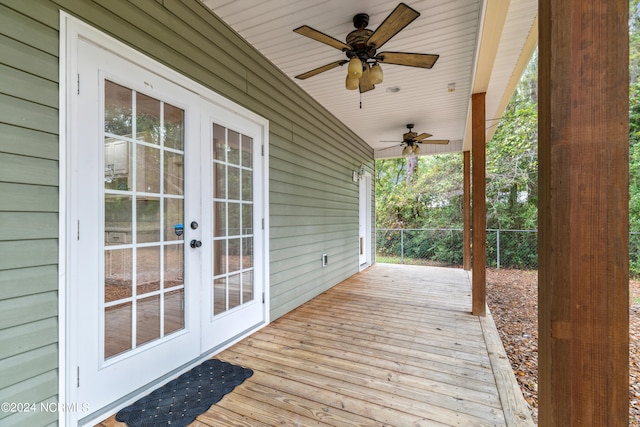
364,220
166,246
234,299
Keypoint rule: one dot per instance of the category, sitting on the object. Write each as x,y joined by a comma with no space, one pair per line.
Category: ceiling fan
361,46
411,141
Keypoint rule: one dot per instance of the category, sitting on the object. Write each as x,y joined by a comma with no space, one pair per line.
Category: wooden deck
392,346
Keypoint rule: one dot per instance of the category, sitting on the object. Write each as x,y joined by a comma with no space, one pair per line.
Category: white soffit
449,28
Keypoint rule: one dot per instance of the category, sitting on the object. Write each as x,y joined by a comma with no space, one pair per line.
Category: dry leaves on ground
512,296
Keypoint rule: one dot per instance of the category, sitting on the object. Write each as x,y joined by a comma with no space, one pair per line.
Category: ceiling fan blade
435,141
321,69
401,16
305,30
421,60
422,136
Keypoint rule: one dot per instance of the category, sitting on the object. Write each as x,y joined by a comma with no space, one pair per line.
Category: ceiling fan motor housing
357,39
361,20
409,136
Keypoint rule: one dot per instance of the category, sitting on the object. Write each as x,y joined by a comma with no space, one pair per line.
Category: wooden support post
583,279
466,211
478,163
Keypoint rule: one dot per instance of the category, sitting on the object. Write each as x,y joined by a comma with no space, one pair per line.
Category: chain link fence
443,247
634,254
505,248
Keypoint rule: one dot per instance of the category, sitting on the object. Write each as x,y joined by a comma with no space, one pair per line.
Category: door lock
195,243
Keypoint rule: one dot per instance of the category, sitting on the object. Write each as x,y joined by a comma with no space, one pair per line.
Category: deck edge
516,410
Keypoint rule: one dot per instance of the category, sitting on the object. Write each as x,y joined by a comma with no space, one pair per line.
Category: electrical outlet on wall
325,260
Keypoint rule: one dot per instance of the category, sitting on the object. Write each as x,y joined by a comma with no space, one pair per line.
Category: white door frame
71,31
364,219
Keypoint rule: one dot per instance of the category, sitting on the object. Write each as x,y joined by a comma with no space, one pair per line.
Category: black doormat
180,401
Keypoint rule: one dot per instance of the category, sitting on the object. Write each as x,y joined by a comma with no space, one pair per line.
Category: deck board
391,346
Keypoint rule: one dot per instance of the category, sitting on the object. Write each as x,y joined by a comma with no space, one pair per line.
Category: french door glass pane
219,295
147,319
147,219
173,127
118,274
117,155
234,291
173,219
147,169
148,269
233,147
117,219
247,152
144,289
173,173
118,109
173,311
173,266
232,203
147,119
118,330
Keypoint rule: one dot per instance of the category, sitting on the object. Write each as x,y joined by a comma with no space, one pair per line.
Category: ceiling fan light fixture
352,83
416,150
407,151
355,67
366,73
375,74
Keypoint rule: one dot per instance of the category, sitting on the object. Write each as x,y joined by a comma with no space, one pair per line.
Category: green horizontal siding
46,419
20,84
29,31
36,389
18,112
29,364
28,142
27,337
29,172
27,281
313,201
28,253
29,198
27,58
28,225
17,311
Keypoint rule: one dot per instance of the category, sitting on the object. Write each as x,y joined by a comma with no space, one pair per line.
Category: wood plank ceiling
483,46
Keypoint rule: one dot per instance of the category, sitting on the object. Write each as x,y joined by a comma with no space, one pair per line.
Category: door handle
195,243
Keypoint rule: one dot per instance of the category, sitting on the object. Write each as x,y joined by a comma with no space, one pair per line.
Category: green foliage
432,197
634,125
512,159
441,245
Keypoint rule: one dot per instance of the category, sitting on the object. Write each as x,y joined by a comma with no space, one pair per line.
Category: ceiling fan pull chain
361,100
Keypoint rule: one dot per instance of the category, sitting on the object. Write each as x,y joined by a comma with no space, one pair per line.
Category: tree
634,115
512,158
432,197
